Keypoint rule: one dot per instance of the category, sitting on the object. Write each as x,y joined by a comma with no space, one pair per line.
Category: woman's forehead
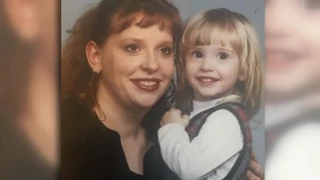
141,19
152,34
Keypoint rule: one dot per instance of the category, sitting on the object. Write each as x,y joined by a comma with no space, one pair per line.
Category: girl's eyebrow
226,49
220,48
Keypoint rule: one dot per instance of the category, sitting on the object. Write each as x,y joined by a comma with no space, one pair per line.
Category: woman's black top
89,150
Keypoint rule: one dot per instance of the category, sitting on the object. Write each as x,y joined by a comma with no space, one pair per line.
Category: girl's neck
203,104
125,121
201,98
215,101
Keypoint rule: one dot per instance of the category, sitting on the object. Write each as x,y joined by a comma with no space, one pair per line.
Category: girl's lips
206,80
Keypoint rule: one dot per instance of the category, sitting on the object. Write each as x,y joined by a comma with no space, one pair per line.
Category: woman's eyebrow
137,40
165,43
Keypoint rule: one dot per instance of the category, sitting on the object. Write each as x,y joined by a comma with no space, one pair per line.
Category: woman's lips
147,84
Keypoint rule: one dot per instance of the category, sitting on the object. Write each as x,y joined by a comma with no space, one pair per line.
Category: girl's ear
242,75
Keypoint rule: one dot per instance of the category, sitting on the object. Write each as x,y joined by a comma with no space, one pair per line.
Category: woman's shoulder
74,117
89,150
71,108
80,122
70,102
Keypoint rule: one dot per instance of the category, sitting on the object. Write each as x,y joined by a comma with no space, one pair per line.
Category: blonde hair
222,27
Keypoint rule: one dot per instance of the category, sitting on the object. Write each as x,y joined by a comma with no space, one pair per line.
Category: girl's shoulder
222,114
239,110
226,109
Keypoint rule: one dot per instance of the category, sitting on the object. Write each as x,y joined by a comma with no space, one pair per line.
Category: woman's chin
146,103
146,99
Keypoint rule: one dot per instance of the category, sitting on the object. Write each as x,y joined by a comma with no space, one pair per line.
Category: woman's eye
223,55
166,51
197,54
132,48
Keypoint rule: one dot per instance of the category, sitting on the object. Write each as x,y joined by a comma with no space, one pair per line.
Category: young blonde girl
220,64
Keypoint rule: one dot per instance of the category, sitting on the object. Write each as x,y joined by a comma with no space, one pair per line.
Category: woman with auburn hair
117,66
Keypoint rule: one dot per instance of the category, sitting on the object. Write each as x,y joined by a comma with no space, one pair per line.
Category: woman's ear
23,15
93,56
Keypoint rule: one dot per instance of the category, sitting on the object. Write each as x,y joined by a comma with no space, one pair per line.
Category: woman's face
292,46
137,65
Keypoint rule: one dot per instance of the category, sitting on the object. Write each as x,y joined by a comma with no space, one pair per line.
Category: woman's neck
125,120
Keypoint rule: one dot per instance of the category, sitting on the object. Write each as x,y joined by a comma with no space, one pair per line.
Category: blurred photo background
292,89
29,82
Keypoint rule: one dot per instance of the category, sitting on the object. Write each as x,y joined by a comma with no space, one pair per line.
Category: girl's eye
197,54
166,51
132,48
223,55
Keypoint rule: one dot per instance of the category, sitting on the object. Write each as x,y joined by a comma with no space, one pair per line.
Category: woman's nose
150,63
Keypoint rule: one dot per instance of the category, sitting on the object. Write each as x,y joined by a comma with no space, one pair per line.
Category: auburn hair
97,24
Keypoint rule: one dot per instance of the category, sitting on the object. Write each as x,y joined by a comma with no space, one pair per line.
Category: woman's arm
219,139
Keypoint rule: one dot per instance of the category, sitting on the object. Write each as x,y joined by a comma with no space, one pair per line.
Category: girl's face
212,71
137,66
292,47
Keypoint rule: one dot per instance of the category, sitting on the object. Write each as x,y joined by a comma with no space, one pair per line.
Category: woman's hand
174,116
256,171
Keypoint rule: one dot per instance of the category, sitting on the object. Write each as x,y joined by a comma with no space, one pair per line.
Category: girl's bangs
205,34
